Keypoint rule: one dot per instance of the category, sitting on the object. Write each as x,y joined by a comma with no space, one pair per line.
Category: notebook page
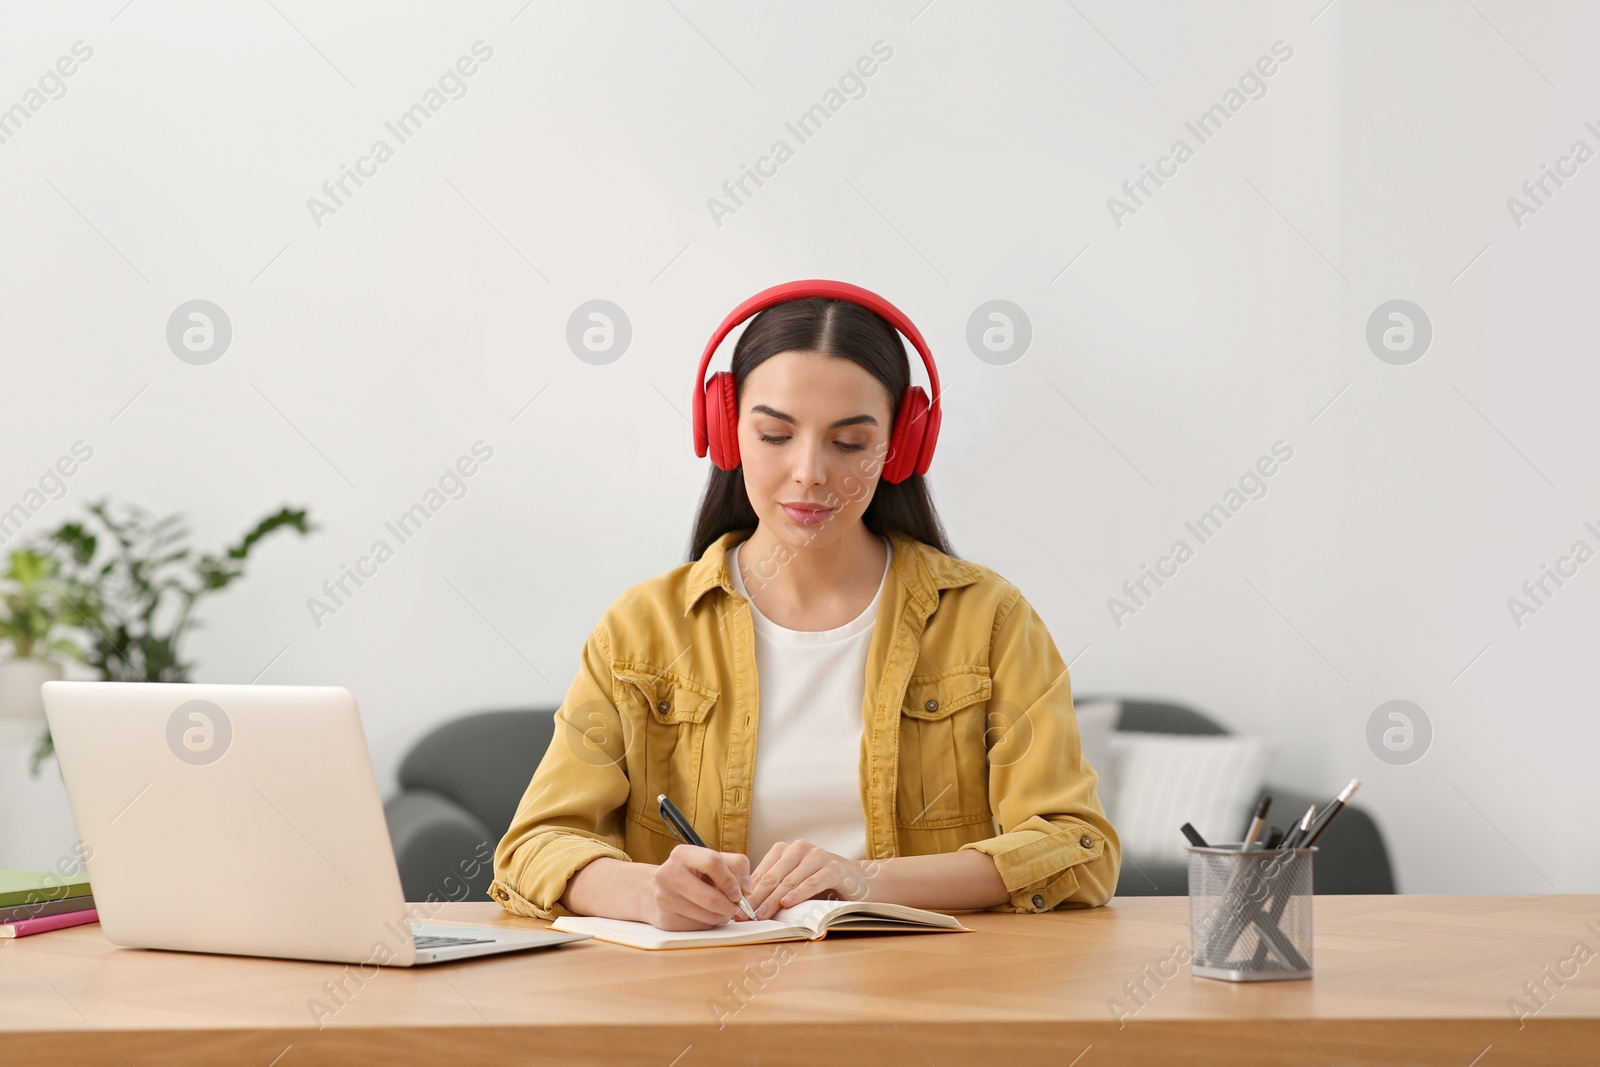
643,935
813,914
810,914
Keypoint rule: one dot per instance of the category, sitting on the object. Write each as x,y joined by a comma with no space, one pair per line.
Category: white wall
1227,313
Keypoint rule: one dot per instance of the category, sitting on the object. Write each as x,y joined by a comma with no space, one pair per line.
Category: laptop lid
240,819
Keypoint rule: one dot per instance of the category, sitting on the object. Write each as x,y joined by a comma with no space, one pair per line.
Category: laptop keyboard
429,941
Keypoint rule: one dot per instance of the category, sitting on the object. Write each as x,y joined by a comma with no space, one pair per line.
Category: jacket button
1038,900
664,707
932,705
1086,841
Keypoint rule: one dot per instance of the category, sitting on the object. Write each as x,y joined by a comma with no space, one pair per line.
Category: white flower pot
20,680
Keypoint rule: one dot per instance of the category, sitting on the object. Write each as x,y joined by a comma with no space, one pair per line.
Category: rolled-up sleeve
571,812
1055,848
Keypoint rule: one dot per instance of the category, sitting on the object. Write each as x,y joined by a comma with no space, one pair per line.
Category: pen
1256,823
684,832
1257,912
1330,811
1308,839
1298,832
1253,911
1266,918
1193,835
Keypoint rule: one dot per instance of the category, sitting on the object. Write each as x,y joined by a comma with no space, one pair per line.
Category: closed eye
843,446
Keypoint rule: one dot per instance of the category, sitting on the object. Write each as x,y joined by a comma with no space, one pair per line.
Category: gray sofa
460,785
1351,857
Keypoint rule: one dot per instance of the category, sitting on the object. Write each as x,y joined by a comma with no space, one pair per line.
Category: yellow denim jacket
969,737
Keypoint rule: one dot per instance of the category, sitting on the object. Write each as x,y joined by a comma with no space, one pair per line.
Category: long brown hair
843,330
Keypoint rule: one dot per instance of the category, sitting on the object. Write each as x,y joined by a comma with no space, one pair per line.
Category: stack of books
32,902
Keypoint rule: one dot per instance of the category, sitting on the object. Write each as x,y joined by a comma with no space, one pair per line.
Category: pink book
24,927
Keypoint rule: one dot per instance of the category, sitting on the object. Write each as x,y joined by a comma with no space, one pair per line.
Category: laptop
244,819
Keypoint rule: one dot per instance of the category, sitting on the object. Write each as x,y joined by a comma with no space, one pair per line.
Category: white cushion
1097,721
1166,780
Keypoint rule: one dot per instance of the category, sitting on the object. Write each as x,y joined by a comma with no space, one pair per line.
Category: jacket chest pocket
944,778
664,752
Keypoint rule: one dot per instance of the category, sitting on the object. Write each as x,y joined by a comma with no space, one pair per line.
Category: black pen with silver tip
1330,811
1293,838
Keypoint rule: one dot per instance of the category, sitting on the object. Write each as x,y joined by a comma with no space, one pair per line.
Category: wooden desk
1409,979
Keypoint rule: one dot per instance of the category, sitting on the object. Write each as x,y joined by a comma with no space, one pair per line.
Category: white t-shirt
808,745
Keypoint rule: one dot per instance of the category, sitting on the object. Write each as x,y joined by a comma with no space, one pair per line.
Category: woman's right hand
696,889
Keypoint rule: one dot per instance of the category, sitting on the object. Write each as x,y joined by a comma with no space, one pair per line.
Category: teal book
33,887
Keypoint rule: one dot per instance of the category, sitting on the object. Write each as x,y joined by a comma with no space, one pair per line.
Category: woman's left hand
793,871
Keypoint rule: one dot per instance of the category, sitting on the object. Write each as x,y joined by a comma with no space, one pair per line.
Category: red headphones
716,408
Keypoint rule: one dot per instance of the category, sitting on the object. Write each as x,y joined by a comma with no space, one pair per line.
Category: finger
802,870
780,859
775,867
766,862
690,896
740,863
697,874
738,868
817,885
702,861
682,915
723,870
682,900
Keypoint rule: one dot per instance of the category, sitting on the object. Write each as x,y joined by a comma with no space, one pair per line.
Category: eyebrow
854,420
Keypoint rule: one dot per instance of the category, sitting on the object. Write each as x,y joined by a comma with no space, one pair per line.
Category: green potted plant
141,584
36,603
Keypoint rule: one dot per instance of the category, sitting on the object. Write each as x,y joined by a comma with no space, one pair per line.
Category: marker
1193,835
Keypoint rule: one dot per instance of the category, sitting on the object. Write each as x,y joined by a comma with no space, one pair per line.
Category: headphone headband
800,290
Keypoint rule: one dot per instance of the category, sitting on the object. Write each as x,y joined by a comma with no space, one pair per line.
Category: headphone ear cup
910,430
930,437
722,421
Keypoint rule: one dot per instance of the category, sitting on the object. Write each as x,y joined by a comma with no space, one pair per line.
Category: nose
809,469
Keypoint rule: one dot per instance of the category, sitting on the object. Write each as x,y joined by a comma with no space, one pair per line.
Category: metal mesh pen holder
1250,913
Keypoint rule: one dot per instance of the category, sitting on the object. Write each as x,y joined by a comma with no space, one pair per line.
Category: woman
917,742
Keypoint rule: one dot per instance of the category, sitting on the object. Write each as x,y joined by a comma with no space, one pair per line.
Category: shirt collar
923,569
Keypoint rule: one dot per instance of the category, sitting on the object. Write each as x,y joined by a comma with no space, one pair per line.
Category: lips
806,514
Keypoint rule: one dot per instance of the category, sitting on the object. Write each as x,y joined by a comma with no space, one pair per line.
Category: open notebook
808,920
